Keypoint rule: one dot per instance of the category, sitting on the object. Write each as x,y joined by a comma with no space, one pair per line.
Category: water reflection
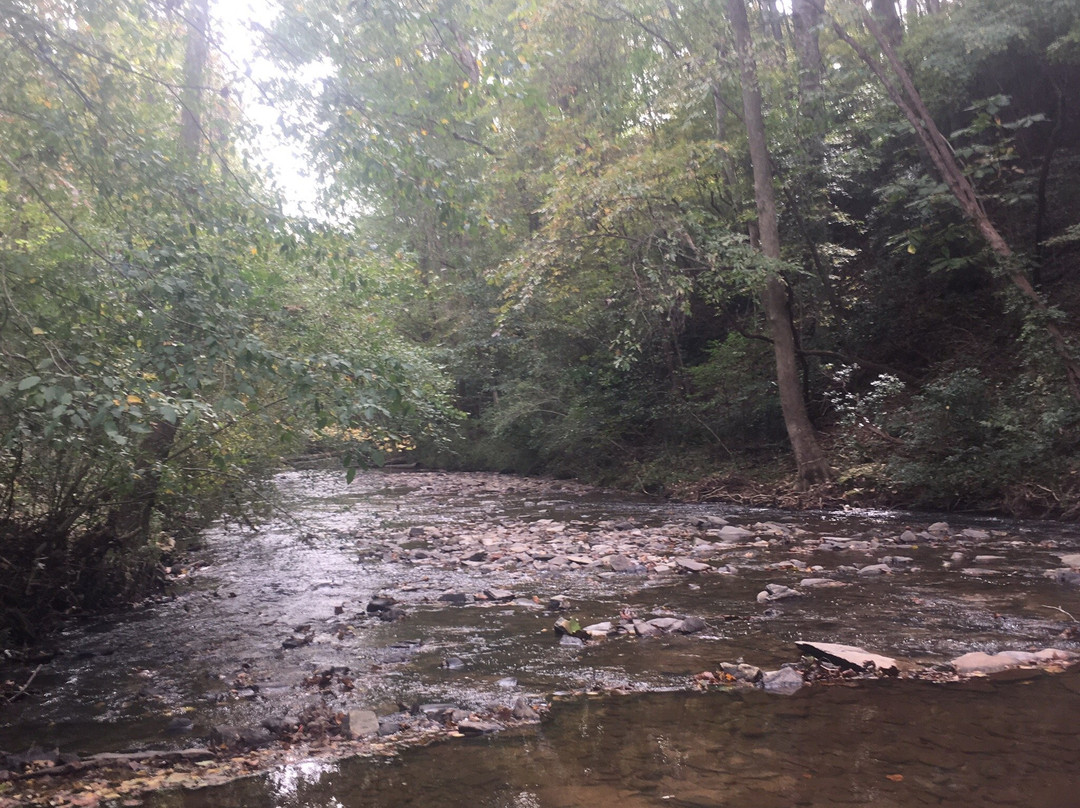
888,743
285,782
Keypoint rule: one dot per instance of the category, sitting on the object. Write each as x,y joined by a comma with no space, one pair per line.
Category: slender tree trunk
197,17
806,21
902,91
885,13
809,458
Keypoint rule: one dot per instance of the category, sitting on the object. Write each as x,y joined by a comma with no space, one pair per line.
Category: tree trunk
910,102
885,13
809,458
197,18
806,21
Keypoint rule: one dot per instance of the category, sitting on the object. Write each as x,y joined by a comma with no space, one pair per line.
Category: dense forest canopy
638,242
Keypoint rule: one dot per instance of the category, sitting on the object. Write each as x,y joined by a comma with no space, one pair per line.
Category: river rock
875,569
469,727
848,656
784,681
620,563
979,663
574,642
733,533
909,537
1071,560
498,594
380,603
455,598
742,672
360,724
643,629
237,737
975,534
1069,577
522,711
939,528
281,725
691,625
665,624
598,631
774,592
821,583
453,663
690,565
559,603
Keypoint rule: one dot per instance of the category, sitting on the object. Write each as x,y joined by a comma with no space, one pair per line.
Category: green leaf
28,382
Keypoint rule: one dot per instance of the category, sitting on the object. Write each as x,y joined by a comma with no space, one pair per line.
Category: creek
261,625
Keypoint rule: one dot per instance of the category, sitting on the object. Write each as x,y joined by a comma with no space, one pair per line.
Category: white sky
282,157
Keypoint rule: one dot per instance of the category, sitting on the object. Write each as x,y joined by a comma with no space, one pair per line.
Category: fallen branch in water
22,689
1059,609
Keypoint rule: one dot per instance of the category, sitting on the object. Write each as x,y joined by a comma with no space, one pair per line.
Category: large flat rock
848,656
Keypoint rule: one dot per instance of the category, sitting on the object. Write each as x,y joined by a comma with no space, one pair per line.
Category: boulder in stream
979,663
849,656
785,681
360,723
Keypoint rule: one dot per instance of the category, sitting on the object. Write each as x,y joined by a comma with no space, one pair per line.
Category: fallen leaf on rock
896,778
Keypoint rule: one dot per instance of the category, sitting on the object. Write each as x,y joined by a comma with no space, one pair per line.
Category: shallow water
212,651
885,743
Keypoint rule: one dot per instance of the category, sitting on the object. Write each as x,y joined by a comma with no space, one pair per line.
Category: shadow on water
883,743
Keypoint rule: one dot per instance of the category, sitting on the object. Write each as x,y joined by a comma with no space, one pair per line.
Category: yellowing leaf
132,399
254,250
38,332
911,248
397,61
465,85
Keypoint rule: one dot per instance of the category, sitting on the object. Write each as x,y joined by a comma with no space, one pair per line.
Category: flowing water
217,651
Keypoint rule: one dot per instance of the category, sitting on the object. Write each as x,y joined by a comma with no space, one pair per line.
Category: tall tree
810,459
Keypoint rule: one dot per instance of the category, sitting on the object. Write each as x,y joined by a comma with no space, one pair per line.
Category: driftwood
108,759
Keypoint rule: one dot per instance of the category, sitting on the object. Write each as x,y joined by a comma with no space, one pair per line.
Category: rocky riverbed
412,606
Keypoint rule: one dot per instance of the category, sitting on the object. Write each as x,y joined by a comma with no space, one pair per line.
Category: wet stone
742,672
559,603
360,723
690,565
455,598
620,563
848,656
468,727
821,583
522,711
691,625
573,642
380,603
785,681
875,569
774,592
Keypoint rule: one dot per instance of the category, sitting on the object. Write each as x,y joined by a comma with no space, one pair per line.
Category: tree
812,465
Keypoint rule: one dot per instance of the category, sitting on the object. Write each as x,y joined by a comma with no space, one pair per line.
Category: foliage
158,358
